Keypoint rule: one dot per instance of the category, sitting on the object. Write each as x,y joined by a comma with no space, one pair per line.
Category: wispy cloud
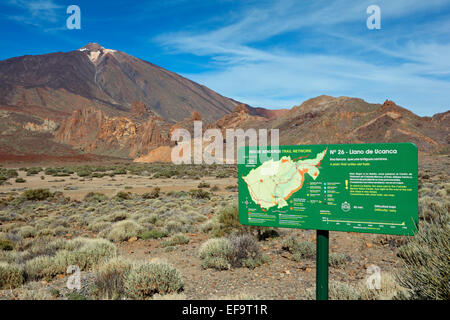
37,12
336,54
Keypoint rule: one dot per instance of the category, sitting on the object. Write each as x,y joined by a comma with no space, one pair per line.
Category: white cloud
37,12
409,64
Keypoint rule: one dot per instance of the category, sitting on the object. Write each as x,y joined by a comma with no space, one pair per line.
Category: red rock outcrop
92,131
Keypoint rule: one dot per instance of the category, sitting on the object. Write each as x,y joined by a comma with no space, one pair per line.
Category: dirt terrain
32,225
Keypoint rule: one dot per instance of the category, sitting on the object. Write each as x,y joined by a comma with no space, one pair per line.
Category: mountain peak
92,47
95,52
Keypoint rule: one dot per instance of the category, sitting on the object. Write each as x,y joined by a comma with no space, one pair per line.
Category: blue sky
265,53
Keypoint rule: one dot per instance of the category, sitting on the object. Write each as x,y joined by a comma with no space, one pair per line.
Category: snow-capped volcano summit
95,51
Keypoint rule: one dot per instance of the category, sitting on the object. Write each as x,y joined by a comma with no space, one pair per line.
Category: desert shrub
98,174
21,180
27,232
300,249
50,171
124,230
119,171
431,210
174,226
91,252
200,194
95,197
2,179
266,233
83,173
154,194
203,185
33,171
336,291
122,195
176,194
215,188
6,245
43,267
118,216
342,291
109,282
338,259
389,289
228,219
82,252
37,194
148,279
154,234
426,260
98,226
11,173
11,276
245,252
176,239
216,253
232,188
210,225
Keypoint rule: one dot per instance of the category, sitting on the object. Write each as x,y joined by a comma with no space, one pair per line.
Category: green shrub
43,267
50,171
33,171
6,245
338,259
342,291
110,278
82,252
27,232
389,289
11,276
95,197
154,234
300,249
83,173
119,171
122,195
76,296
176,239
124,230
154,194
37,194
152,278
21,180
228,219
11,173
426,259
203,185
216,253
245,252
200,194
90,252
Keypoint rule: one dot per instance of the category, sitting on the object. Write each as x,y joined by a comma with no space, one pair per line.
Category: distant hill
93,102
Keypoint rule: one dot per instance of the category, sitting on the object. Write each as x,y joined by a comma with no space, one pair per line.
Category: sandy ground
76,188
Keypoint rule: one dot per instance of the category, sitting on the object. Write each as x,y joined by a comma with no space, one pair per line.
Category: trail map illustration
355,187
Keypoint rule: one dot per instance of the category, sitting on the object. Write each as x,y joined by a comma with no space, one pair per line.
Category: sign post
322,245
370,188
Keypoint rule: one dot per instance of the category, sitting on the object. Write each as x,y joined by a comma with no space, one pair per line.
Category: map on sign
274,182
355,187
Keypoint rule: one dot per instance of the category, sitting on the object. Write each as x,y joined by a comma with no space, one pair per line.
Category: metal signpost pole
322,244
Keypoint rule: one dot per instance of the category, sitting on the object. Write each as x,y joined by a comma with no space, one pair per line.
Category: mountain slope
326,119
107,79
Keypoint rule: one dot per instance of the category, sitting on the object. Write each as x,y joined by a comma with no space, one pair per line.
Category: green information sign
368,188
